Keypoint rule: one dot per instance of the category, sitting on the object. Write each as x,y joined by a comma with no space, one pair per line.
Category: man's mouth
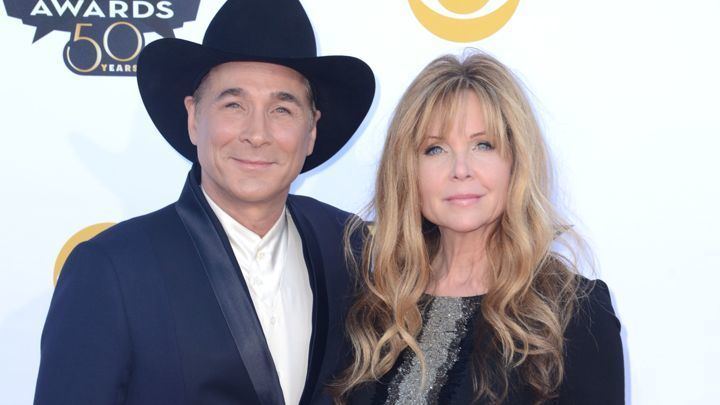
253,163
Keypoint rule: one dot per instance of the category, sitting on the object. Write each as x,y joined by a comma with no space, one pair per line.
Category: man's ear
190,107
313,133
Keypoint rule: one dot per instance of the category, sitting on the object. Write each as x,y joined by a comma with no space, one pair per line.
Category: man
236,293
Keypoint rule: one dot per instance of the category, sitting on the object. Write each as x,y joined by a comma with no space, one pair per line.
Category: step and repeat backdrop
627,93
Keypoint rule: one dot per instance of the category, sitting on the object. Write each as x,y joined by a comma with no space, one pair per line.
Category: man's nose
256,129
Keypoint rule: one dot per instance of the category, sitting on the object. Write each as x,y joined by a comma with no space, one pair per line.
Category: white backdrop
627,92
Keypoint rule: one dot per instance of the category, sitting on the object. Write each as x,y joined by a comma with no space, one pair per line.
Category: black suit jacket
155,311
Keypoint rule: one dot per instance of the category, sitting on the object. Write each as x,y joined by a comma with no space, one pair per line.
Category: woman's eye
484,145
433,150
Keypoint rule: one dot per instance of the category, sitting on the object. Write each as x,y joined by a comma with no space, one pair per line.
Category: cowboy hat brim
170,69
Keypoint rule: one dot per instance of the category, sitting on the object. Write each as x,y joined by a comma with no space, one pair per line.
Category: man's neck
258,217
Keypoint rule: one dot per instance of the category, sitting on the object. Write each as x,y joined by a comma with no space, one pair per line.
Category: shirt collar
248,242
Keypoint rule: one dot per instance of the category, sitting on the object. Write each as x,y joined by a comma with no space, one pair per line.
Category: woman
463,298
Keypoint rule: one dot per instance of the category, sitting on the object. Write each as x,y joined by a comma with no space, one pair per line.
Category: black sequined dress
593,361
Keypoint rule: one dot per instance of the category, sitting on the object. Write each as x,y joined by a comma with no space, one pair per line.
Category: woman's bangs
439,112
496,128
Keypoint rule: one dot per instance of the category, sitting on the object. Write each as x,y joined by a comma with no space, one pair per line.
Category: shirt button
272,320
257,281
260,255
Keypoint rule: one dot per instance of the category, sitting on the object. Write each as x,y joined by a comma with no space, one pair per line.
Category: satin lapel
222,270
316,274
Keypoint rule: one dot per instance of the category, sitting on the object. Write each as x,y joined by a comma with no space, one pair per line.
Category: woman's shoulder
594,309
594,370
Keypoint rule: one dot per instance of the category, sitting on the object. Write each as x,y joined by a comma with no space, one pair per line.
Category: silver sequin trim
445,324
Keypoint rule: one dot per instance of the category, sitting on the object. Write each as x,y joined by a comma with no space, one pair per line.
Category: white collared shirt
276,276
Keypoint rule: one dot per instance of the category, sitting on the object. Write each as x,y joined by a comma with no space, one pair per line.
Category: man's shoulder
128,247
136,230
311,207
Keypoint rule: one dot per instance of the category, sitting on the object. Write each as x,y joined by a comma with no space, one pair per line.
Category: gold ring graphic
461,29
463,6
80,236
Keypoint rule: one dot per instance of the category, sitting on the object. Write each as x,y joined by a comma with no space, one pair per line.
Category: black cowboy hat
272,31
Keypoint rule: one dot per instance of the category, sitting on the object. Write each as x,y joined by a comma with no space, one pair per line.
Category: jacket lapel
221,268
316,274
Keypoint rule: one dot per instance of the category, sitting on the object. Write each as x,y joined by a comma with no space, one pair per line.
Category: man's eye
282,110
484,145
433,150
232,105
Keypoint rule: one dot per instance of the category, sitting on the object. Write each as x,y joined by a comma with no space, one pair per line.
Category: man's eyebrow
285,96
234,91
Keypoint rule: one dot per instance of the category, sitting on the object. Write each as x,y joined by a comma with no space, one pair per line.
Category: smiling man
236,293
253,125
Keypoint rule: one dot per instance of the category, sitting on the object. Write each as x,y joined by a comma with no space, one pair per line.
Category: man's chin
258,193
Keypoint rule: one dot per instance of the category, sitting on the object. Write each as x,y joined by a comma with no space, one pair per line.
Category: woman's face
463,180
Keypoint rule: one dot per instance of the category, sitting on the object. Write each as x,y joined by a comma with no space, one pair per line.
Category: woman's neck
460,268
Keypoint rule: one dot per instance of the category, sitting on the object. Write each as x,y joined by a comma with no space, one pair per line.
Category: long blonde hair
532,289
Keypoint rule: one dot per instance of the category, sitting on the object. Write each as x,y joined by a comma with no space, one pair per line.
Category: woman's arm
594,356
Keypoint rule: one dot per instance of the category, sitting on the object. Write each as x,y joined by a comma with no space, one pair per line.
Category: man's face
253,126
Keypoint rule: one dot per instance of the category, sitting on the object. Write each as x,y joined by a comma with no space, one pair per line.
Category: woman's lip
460,197
463,199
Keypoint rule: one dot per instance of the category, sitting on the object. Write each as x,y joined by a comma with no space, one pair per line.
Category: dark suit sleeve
85,346
594,363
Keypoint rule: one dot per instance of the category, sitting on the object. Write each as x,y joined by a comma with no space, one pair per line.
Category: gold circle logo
463,29
78,238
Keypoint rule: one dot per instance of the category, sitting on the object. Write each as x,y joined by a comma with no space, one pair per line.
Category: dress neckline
427,296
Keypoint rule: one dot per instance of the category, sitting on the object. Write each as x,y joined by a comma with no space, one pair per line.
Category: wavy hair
532,288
